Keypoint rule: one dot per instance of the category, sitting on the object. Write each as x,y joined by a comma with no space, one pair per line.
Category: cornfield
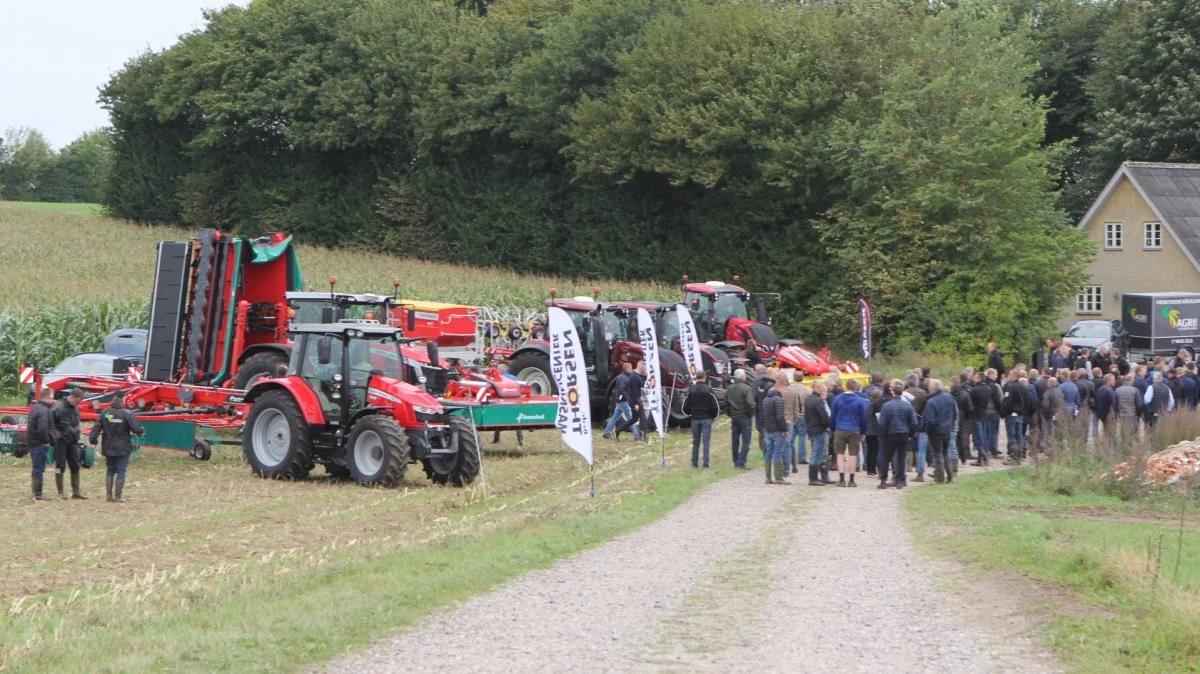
50,256
48,334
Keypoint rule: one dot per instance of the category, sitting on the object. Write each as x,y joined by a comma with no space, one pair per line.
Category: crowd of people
920,424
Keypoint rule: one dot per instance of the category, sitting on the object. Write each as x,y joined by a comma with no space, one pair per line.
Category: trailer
1160,324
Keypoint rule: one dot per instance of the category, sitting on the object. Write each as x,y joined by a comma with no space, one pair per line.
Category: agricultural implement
608,333
732,319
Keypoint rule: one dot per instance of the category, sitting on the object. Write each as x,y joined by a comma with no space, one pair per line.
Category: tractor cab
730,314
320,307
351,401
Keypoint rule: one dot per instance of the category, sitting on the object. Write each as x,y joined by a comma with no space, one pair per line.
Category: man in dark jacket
1087,391
703,407
985,399
66,442
775,426
1105,408
995,359
897,424
1054,413
1016,404
1041,357
1121,362
622,411
1103,358
918,446
117,425
634,384
940,412
739,399
962,398
816,421
1191,385
764,381
1158,399
40,434
1059,360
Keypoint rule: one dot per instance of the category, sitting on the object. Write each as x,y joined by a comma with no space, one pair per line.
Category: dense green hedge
827,150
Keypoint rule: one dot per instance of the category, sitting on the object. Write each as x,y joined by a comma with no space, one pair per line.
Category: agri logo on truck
1176,320
1139,318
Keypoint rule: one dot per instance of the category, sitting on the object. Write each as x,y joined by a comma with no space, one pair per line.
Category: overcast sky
55,54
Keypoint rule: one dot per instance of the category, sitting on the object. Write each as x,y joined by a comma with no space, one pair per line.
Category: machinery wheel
202,450
377,451
256,367
533,368
460,469
673,407
275,438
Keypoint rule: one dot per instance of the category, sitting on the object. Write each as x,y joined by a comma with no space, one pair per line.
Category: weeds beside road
1129,556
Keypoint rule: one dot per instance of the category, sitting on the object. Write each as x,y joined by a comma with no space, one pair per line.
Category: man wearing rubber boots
66,442
40,434
116,424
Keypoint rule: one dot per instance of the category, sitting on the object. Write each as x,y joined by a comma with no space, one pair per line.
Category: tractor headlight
337,376
422,379
424,410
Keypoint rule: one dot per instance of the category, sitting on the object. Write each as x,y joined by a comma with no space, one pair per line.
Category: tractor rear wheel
256,367
276,439
533,368
377,451
673,413
461,468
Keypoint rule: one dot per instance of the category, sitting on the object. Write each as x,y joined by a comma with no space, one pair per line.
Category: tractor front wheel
275,438
377,451
461,468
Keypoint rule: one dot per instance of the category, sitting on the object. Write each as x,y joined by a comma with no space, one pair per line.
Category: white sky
55,54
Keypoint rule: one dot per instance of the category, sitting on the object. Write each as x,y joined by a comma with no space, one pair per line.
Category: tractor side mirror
327,316
412,321
325,350
431,349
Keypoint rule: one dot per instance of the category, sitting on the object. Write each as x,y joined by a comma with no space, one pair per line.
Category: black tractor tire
276,438
377,451
202,450
534,367
461,469
673,413
262,364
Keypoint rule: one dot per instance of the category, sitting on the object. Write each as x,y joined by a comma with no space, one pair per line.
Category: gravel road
743,577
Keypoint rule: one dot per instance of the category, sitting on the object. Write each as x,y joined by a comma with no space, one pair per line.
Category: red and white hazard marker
27,374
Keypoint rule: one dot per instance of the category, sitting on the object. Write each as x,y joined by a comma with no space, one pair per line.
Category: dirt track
740,578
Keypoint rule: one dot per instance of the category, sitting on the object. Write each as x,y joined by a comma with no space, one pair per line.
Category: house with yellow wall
1146,225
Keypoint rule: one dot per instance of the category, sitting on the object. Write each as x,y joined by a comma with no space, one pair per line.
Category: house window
1113,236
1153,236
1089,300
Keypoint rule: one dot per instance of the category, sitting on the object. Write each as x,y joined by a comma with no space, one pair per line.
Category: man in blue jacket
940,411
848,418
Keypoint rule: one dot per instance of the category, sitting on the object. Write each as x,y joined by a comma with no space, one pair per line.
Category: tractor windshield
616,325
730,305
668,330
310,311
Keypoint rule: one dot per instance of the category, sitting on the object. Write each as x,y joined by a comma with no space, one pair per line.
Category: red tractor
666,325
728,317
347,402
608,333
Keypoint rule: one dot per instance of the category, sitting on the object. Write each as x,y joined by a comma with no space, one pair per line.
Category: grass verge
1134,571
209,569
84,209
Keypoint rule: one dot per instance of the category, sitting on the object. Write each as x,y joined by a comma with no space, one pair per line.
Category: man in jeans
622,412
776,428
739,398
39,430
897,425
702,406
816,420
793,402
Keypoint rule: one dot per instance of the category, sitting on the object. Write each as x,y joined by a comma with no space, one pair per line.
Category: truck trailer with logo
1160,324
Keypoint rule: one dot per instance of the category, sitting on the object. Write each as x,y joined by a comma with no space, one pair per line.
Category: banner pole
662,436
479,448
592,478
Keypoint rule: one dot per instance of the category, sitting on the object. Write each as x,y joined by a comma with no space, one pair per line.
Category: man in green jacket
739,399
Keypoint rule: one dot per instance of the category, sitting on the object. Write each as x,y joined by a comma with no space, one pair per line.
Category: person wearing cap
66,442
116,424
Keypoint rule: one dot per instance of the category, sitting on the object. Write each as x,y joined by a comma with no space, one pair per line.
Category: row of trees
909,152
30,170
